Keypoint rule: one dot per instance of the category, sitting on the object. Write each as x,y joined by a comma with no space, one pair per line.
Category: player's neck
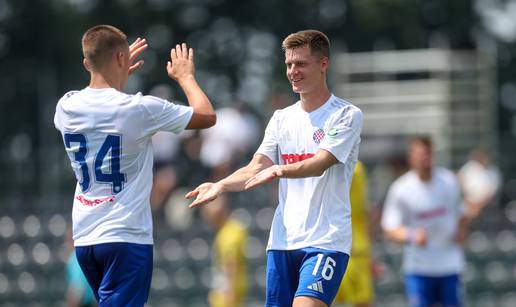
313,100
100,81
424,175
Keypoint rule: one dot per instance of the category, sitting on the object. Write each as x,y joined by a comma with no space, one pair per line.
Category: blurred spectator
357,286
236,132
78,291
480,181
423,211
165,147
230,277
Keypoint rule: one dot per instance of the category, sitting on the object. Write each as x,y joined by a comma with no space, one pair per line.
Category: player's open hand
264,176
420,237
181,64
204,193
135,49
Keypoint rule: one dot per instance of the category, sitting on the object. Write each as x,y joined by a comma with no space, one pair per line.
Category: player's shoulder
343,105
401,183
68,96
340,108
286,111
446,175
152,103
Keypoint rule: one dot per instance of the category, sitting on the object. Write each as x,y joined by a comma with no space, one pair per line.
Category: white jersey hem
114,240
329,247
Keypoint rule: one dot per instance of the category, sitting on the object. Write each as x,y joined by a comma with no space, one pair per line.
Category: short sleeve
269,146
343,133
57,118
392,216
163,115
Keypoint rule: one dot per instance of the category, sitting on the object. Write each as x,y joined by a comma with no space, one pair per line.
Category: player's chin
297,89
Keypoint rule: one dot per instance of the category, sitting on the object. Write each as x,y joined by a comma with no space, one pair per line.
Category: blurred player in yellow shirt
230,276
357,286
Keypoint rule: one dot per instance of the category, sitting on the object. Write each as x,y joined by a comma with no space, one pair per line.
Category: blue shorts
425,291
119,273
308,271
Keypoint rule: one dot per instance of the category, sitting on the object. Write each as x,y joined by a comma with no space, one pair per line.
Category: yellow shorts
357,285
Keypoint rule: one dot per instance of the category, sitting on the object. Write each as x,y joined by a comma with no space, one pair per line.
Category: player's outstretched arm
235,182
311,167
182,69
403,234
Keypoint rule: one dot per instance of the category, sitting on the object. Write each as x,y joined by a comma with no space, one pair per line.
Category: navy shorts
312,272
119,273
425,291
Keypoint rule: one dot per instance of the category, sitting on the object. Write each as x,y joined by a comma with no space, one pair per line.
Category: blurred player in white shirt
107,135
424,211
312,146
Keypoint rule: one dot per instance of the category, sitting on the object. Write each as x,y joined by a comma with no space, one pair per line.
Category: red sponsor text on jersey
94,202
293,158
432,213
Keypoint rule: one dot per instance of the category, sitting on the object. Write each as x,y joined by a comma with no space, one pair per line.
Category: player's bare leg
306,301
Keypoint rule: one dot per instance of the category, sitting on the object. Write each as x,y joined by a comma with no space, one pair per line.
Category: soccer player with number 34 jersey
312,147
107,136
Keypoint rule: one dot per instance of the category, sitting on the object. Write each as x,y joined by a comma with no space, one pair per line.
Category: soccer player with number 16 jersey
312,147
107,136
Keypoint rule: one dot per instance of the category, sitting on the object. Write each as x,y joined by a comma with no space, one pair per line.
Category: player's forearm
400,234
195,96
463,227
312,167
236,181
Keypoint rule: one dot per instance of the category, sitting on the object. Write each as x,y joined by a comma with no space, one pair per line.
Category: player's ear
120,58
86,64
325,63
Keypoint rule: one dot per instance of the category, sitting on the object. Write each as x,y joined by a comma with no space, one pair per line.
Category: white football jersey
314,211
107,135
435,206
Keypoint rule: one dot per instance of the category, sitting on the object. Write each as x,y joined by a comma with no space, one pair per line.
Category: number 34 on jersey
110,152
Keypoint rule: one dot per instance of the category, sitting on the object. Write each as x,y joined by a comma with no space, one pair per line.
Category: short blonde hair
317,41
100,42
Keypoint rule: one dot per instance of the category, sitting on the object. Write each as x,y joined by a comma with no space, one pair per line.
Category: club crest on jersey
332,133
318,136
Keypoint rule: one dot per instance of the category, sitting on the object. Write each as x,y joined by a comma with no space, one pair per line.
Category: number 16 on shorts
323,274
327,270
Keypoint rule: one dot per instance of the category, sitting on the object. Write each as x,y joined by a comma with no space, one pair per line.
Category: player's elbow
202,120
211,120
318,172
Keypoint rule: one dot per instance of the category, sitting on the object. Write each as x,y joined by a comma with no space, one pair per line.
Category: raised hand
181,64
204,193
264,176
135,49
